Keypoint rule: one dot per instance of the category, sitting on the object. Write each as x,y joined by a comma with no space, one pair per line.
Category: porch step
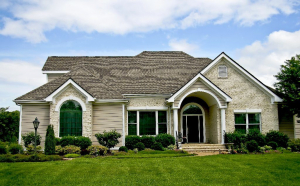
196,147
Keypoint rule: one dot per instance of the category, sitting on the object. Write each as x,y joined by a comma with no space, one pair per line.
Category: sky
258,34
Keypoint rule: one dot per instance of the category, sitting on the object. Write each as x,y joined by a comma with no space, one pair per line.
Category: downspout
123,136
170,119
20,125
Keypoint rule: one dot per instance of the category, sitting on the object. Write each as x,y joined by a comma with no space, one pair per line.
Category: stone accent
245,95
70,91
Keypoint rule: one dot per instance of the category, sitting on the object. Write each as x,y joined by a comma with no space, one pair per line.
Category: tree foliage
108,139
288,85
9,125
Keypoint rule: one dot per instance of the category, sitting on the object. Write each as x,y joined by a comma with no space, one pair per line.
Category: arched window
192,109
70,119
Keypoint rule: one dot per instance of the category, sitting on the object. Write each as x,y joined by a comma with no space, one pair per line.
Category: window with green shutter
70,119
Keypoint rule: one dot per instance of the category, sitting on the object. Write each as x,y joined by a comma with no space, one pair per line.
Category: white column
20,126
123,135
223,125
175,114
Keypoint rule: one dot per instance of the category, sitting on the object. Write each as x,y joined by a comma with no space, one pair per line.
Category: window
147,122
70,119
246,121
222,71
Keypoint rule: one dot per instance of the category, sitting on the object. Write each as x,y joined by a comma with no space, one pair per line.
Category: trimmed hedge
165,139
97,150
131,141
123,148
157,146
252,146
256,136
273,144
80,141
3,149
295,145
278,137
15,148
148,141
140,146
236,138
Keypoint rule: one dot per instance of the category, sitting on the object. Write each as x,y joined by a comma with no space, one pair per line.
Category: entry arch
203,118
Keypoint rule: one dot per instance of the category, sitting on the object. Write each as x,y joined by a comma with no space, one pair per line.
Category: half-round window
192,109
70,119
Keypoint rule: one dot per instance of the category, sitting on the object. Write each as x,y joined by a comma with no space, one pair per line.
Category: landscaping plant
3,149
148,141
50,141
130,141
123,148
165,139
257,136
108,139
295,145
140,146
29,139
15,148
157,146
252,146
273,144
97,150
278,137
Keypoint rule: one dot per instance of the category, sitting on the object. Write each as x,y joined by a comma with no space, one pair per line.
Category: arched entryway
193,123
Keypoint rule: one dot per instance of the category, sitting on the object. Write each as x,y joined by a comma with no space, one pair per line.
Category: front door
193,128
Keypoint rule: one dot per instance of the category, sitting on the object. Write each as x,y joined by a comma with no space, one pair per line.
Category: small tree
288,85
108,139
50,141
29,138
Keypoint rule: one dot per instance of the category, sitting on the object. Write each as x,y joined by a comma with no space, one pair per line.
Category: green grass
150,154
267,169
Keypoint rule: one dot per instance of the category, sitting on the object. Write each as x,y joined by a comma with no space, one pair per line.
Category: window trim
156,121
226,69
252,111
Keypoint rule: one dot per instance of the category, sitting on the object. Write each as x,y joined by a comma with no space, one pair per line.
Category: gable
236,73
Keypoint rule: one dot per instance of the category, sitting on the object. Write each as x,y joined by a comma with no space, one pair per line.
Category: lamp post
36,125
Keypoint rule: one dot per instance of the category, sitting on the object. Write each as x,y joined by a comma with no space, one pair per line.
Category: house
152,93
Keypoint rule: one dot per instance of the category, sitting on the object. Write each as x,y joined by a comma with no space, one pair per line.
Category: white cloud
182,45
32,18
21,72
263,59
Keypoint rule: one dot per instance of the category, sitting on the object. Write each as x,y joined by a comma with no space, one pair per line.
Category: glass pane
241,128
147,123
71,119
240,118
162,128
132,117
192,109
254,118
162,117
254,127
131,129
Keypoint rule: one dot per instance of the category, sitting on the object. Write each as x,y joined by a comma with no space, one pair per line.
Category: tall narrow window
162,122
132,123
70,119
222,71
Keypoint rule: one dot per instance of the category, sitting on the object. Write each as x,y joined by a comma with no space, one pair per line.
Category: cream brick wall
86,115
245,95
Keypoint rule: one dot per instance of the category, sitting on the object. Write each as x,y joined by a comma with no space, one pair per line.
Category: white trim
156,122
111,101
248,111
56,72
145,95
274,97
50,98
201,90
29,101
147,108
175,114
115,148
123,129
206,82
203,115
137,123
223,125
59,104
20,126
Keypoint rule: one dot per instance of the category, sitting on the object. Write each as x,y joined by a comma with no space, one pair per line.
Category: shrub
135,150
130,141
79,141
59,150
15,148
171,147
72,155
268,147
30,149
50,141
148,141
256,136
165,139
67,140
273,144
71,149
236,138
108,139
294,145
97,150
26,158
140,146
252,146
57,141
157,146
3,149
278,137
29,139
123,148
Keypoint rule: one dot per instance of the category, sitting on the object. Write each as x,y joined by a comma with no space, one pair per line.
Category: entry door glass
193,129
201,129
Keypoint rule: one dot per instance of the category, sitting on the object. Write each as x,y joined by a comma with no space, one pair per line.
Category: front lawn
265,169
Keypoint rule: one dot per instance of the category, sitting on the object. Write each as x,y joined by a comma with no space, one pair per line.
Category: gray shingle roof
109,77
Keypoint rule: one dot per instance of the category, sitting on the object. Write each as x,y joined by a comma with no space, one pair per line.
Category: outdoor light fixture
36,126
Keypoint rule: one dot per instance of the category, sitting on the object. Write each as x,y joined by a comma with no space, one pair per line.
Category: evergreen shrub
236,138
140,146
157,146
252,146
97,150
71,149
15,148
257,136
123,148
278,137
148,141
273,144
108,139
50,141
165,139
3,149
131,141
29,139
294,145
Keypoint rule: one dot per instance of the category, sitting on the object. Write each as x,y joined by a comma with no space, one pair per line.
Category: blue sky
260,35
